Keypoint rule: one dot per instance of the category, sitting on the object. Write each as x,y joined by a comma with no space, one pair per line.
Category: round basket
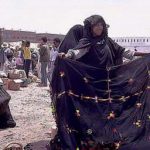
14,76
14,146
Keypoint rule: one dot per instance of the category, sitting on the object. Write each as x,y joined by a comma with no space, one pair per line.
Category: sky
127,18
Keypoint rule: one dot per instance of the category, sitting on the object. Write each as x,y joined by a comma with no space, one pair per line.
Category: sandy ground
31,110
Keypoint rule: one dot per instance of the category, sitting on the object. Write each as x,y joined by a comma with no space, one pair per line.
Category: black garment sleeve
117,51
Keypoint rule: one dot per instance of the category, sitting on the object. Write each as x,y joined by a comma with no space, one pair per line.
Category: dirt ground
31,110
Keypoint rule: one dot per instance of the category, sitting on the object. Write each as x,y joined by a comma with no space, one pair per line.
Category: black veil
72,38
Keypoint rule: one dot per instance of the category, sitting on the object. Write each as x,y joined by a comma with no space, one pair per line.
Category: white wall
139,43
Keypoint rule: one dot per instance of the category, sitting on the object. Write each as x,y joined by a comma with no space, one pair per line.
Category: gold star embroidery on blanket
138,105
123,98
138,123
111,115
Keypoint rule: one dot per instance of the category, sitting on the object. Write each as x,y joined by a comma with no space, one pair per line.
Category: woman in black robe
71,39
6,119
99,102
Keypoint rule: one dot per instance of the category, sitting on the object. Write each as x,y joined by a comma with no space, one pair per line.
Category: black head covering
88,38
72,38
91,22
102,48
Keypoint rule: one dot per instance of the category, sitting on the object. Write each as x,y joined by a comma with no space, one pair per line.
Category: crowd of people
38,61
29,59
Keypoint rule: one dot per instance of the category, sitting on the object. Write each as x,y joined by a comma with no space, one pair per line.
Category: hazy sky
125,17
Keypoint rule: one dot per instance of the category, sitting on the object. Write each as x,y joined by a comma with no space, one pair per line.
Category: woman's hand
62,55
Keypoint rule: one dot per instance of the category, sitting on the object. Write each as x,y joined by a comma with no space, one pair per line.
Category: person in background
2,56
10,64
21,49
19,62
56,43
44,59
34,59
53,55
9,52
27,58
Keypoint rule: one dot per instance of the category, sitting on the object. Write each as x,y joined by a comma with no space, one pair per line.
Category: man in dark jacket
2,56
44,59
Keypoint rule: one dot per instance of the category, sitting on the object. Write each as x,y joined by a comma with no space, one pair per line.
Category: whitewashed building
138,43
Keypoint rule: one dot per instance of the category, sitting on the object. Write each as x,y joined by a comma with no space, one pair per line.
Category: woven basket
22,74
14,146
5,83
14,76
13,86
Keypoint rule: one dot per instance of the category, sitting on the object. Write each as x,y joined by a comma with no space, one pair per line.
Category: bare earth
31,110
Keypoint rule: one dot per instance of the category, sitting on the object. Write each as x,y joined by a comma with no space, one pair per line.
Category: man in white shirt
53,56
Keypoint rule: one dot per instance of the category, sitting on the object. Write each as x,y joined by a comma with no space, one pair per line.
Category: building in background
19,35
49,36
135,43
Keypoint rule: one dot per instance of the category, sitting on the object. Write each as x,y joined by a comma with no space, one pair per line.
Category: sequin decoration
89,131
117,145
111,115
62,74
138,105
96,99
148,87
130,81
148,116
85,80
109,80
78,113
68,129
138,123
